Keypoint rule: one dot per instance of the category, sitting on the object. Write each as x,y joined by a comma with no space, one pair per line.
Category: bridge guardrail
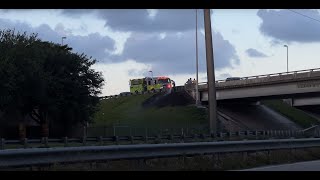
267,77
177,88
295,74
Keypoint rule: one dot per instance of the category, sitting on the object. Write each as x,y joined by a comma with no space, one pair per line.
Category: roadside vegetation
137,112
296,115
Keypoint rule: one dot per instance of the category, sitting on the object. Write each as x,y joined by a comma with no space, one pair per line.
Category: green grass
129,111
296,115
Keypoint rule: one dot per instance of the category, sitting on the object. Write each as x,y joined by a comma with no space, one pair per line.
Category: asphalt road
300,166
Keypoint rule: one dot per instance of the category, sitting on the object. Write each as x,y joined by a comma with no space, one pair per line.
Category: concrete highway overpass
303,86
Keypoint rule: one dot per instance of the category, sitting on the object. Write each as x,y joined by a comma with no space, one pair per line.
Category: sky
128,43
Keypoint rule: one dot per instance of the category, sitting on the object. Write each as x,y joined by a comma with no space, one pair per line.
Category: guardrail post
170,137
45,141
146,132
65,141
131,139
116,139
229,134
2,143
241,134
212,135
221,136
100,139
158,139
84,140
25,143
182,137
202,136
237,134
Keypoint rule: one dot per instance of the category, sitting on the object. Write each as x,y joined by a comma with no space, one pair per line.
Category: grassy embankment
296,115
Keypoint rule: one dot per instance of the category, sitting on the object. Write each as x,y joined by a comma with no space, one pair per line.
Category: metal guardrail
168,138
128,94
33,157
177,88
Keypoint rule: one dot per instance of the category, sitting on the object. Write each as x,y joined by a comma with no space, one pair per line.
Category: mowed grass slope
296,115
130,112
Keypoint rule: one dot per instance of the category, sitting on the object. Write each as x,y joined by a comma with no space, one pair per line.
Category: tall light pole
197,69
62,39
213,120
151,74
287,56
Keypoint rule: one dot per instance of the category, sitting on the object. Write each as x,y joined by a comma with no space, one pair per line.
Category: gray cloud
287,26
176,54
138,20
93,45
255,53
173,54
75,13
223,76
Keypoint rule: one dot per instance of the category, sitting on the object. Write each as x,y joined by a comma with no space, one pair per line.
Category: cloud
255,53
166,42
75,13
117,75
93,44
138,20
176,53
288,26
223,76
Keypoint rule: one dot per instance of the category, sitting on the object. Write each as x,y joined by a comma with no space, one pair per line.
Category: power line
304,15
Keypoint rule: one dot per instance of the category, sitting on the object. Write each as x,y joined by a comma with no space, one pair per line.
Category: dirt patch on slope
172,99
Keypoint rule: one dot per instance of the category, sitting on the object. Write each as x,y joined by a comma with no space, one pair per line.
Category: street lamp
62,39
151,74
197,77
287,56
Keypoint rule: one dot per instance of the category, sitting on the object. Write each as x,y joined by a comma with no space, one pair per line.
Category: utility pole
197,62
210,73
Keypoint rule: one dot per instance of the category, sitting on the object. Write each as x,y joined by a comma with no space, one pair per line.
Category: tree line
46,82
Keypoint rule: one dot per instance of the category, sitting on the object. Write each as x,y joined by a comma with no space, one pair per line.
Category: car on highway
233,79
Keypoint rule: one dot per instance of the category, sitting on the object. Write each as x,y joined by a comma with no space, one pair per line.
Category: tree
46,81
